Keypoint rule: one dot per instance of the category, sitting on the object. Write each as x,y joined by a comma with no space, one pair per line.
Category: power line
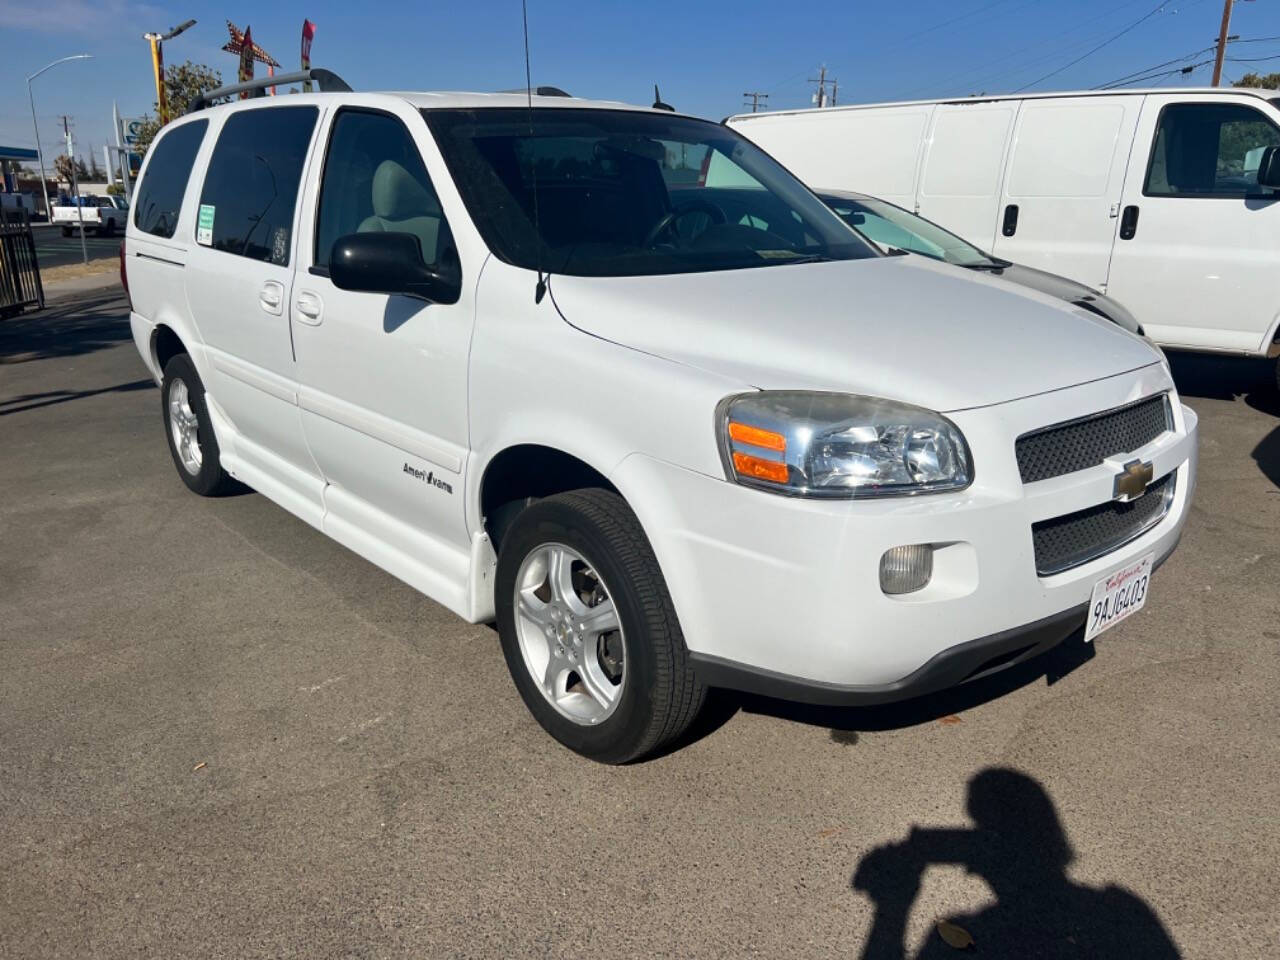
1167,63
1053,73
971,78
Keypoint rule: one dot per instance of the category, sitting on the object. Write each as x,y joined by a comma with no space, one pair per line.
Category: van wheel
589,631
190,433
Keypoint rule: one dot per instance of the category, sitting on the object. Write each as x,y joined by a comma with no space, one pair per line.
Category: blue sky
704,54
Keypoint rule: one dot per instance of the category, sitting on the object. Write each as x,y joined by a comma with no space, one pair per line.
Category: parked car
102,215
668,437
891,227
1164,199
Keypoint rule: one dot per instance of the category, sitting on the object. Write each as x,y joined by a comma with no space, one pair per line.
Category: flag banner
308,34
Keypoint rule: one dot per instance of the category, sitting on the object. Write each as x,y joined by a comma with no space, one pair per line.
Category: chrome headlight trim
799,435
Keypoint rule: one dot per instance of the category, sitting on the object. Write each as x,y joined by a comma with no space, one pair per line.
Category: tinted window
159,196
375,182
630,192
1208,149
251,189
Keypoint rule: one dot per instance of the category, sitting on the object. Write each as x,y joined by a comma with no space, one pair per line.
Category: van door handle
1129,223
310,306
1010,226
271,297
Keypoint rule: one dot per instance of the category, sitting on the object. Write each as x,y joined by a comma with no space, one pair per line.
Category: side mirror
1269,168
389,263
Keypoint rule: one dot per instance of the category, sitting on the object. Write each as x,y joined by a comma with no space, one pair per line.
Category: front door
1198,255
239,275
383,379
1061,196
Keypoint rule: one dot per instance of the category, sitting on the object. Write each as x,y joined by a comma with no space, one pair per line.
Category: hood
1066,289
902,328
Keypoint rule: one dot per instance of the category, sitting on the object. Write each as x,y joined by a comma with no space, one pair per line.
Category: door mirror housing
1269,168
389,263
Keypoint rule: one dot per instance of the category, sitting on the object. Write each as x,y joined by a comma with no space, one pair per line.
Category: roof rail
328,81
541,92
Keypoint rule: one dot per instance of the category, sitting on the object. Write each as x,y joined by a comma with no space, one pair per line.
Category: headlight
838,445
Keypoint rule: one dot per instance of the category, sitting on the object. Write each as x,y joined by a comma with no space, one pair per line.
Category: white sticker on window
204,225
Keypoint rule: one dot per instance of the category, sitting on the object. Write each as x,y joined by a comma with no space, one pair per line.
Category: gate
19,269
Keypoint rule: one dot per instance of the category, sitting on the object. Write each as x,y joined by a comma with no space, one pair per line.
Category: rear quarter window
159,197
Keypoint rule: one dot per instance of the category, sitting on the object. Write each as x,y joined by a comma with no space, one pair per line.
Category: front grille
1068,541
1080,444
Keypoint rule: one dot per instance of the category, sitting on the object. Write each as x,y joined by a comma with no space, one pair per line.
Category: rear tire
189,431
655,695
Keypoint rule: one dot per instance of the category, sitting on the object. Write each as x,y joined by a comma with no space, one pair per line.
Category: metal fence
20,285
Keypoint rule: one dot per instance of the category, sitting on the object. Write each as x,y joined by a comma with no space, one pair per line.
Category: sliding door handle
1129,223
1010,226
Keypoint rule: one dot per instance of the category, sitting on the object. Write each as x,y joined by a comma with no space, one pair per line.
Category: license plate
1118,595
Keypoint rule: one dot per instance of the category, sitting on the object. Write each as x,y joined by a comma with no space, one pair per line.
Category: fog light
906,569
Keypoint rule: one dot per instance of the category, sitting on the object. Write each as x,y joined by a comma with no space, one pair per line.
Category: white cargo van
517,352
1165,200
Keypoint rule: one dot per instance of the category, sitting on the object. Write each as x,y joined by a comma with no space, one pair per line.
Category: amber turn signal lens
759,468
756,437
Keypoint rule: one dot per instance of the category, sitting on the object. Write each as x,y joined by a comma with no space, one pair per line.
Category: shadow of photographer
1018,846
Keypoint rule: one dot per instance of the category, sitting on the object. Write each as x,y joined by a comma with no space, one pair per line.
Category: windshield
627,192
891,226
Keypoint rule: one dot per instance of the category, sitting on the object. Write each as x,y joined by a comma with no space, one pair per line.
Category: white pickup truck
104,215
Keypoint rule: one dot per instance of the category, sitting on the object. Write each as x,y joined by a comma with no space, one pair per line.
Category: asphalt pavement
224,735
55,250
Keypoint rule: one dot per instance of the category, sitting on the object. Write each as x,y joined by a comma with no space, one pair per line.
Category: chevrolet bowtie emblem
1132,481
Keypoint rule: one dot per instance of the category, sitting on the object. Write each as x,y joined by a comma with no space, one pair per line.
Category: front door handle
271,297
1010,226
1129,223
310,307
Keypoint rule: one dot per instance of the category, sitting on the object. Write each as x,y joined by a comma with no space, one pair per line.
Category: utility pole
75,188
755,100
1222,42
820,98
835,88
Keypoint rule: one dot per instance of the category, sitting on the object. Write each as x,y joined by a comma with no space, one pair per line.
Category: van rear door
1061,200
1198,259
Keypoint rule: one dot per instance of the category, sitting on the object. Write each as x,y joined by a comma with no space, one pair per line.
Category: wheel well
530,472
166,345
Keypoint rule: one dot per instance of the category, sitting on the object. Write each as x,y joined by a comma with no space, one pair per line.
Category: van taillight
124,276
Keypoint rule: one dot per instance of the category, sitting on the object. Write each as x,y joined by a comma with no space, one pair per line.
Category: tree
82,172
1270,81
95,172
62,167
182,83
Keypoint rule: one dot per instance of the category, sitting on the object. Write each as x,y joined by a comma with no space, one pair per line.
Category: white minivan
1165,200
669,436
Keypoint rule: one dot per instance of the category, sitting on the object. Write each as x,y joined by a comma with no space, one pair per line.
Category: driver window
374,181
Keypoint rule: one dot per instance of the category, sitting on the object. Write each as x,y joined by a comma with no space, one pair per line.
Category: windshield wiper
991,263
806,258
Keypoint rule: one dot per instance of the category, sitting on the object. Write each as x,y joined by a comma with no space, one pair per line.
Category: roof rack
327,80
541,92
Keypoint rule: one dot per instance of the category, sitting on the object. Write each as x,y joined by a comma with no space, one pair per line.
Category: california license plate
1118,595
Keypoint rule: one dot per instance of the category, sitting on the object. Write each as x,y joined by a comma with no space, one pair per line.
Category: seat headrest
397,194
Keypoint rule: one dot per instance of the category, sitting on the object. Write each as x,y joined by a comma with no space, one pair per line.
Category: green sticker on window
204,225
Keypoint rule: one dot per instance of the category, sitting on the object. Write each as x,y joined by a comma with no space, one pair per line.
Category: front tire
589,631
192,443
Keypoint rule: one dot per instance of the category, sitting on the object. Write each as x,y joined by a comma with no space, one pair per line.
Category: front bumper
782,595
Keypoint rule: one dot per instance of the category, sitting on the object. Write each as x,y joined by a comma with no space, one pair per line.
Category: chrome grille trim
1074,539
1073,445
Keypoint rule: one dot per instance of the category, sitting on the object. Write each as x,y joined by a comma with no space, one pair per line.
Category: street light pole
44,186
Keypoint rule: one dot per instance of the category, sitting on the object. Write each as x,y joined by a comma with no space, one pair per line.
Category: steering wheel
669,219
